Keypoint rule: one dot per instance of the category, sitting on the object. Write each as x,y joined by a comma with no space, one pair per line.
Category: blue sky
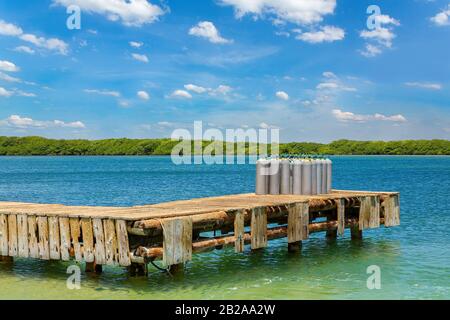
141,69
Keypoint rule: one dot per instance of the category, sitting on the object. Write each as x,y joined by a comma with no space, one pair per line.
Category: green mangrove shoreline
39,146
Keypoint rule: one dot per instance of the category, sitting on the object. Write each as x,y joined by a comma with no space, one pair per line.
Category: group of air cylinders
293,175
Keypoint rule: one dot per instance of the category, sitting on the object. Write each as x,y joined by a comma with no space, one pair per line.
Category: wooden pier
135,236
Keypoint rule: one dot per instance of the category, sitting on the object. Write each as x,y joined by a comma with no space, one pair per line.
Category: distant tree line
33,146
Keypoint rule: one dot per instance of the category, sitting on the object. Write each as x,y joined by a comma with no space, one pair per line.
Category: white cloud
442,18
5,93
8,78
282,95
325,34
24,49
207,30
52,44
346,116
380,37
220,90
329,75
195,88
103,92
136,44
294,11
24,94
143,95
387,20
8,66
9,29
334,86
129,12
140,57
371,51
124,103
16,121
424,85
333,83
181,94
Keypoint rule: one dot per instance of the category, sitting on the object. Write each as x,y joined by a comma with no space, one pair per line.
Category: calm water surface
414,258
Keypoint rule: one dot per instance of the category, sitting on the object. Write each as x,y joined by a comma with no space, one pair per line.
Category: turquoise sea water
414,258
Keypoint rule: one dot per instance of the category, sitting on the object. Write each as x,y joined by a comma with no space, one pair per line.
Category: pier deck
173,231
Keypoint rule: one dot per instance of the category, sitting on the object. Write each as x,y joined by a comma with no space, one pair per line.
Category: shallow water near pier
414,258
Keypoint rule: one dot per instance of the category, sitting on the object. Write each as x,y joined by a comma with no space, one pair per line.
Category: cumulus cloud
181,94
298,12
103,92
424,85
380,37
8,78
24,49
220,90
8,66
325,34
136,44
371,51
24,94
195,88
5,93
282,95
442,18
9,29
19,122
207,30
129,12
143,95
346,116
140,57
333,83
52,44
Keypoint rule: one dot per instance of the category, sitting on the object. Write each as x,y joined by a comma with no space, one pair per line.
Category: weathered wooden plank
391,211
122,243
374,221
100,257
54,239
239,231
64,231
259,228
177,243
75,234
88,240
111,248
396,205
44,247
22,235
305,220
340,203
364,213
4,250
12,235
33,237
295,225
